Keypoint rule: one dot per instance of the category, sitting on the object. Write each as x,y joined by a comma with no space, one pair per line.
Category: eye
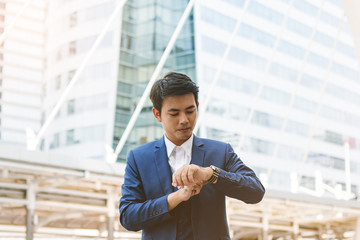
173,114
189,112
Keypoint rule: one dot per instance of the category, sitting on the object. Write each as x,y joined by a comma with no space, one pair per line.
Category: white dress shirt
178,155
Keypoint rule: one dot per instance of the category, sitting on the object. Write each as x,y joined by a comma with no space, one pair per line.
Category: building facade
147,27
21,69
287,97
84,124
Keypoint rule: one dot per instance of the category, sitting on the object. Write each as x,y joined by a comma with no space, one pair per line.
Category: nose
183,119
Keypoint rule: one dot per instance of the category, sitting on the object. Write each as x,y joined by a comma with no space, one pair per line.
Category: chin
185,136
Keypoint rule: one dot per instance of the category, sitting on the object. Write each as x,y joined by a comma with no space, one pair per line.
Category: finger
184,175
178,174
191,173
174,178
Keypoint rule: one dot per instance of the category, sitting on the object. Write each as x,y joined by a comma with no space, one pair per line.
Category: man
175,187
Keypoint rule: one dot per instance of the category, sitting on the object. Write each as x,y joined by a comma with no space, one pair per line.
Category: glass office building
288,95
83,127
147,27
21,69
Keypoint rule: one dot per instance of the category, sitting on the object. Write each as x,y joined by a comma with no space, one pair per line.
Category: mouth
184,129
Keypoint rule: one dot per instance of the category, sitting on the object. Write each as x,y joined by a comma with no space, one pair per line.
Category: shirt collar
187,146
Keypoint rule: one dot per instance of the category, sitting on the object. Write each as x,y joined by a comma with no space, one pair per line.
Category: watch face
216,170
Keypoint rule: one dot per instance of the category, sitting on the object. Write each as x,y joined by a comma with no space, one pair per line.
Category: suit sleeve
238,181
137,212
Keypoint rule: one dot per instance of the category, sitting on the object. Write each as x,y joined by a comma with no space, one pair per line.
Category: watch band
215,174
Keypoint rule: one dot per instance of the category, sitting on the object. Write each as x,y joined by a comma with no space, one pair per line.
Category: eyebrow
176,110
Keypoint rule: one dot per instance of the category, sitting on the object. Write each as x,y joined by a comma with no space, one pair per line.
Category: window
72,48
123,103
237,83
73,19
257,35
298,27
213,46
318,60
247,59
71,75
306,7
346,49
238,3
339,92
71,107
275,96
56,142
219,20
329,19
58,82
297,128
118,132
70,136
311,82
304,105
122,118
265,12
124,88
333,137
345,71
324,39
291,49
259,145
58,55
267,120
283,72
290,153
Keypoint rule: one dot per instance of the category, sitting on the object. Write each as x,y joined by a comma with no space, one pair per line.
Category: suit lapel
162,165
197,152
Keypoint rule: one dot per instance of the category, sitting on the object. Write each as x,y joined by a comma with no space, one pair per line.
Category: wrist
209,173
215,174
173,200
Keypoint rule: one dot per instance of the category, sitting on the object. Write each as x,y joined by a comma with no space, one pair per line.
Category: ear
156,114
197,105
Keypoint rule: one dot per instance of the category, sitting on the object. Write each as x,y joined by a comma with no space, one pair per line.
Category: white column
265,229
357,230
296,231
110,215
30,210
347,170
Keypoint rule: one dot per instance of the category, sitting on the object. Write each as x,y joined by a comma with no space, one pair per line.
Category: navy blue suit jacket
147,184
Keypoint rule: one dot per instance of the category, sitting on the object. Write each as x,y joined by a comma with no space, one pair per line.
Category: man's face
178,117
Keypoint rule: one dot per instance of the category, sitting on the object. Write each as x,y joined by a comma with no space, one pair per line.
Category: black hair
172,84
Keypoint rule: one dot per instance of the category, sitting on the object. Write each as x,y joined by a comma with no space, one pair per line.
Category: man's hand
183,194
191,174
186,192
